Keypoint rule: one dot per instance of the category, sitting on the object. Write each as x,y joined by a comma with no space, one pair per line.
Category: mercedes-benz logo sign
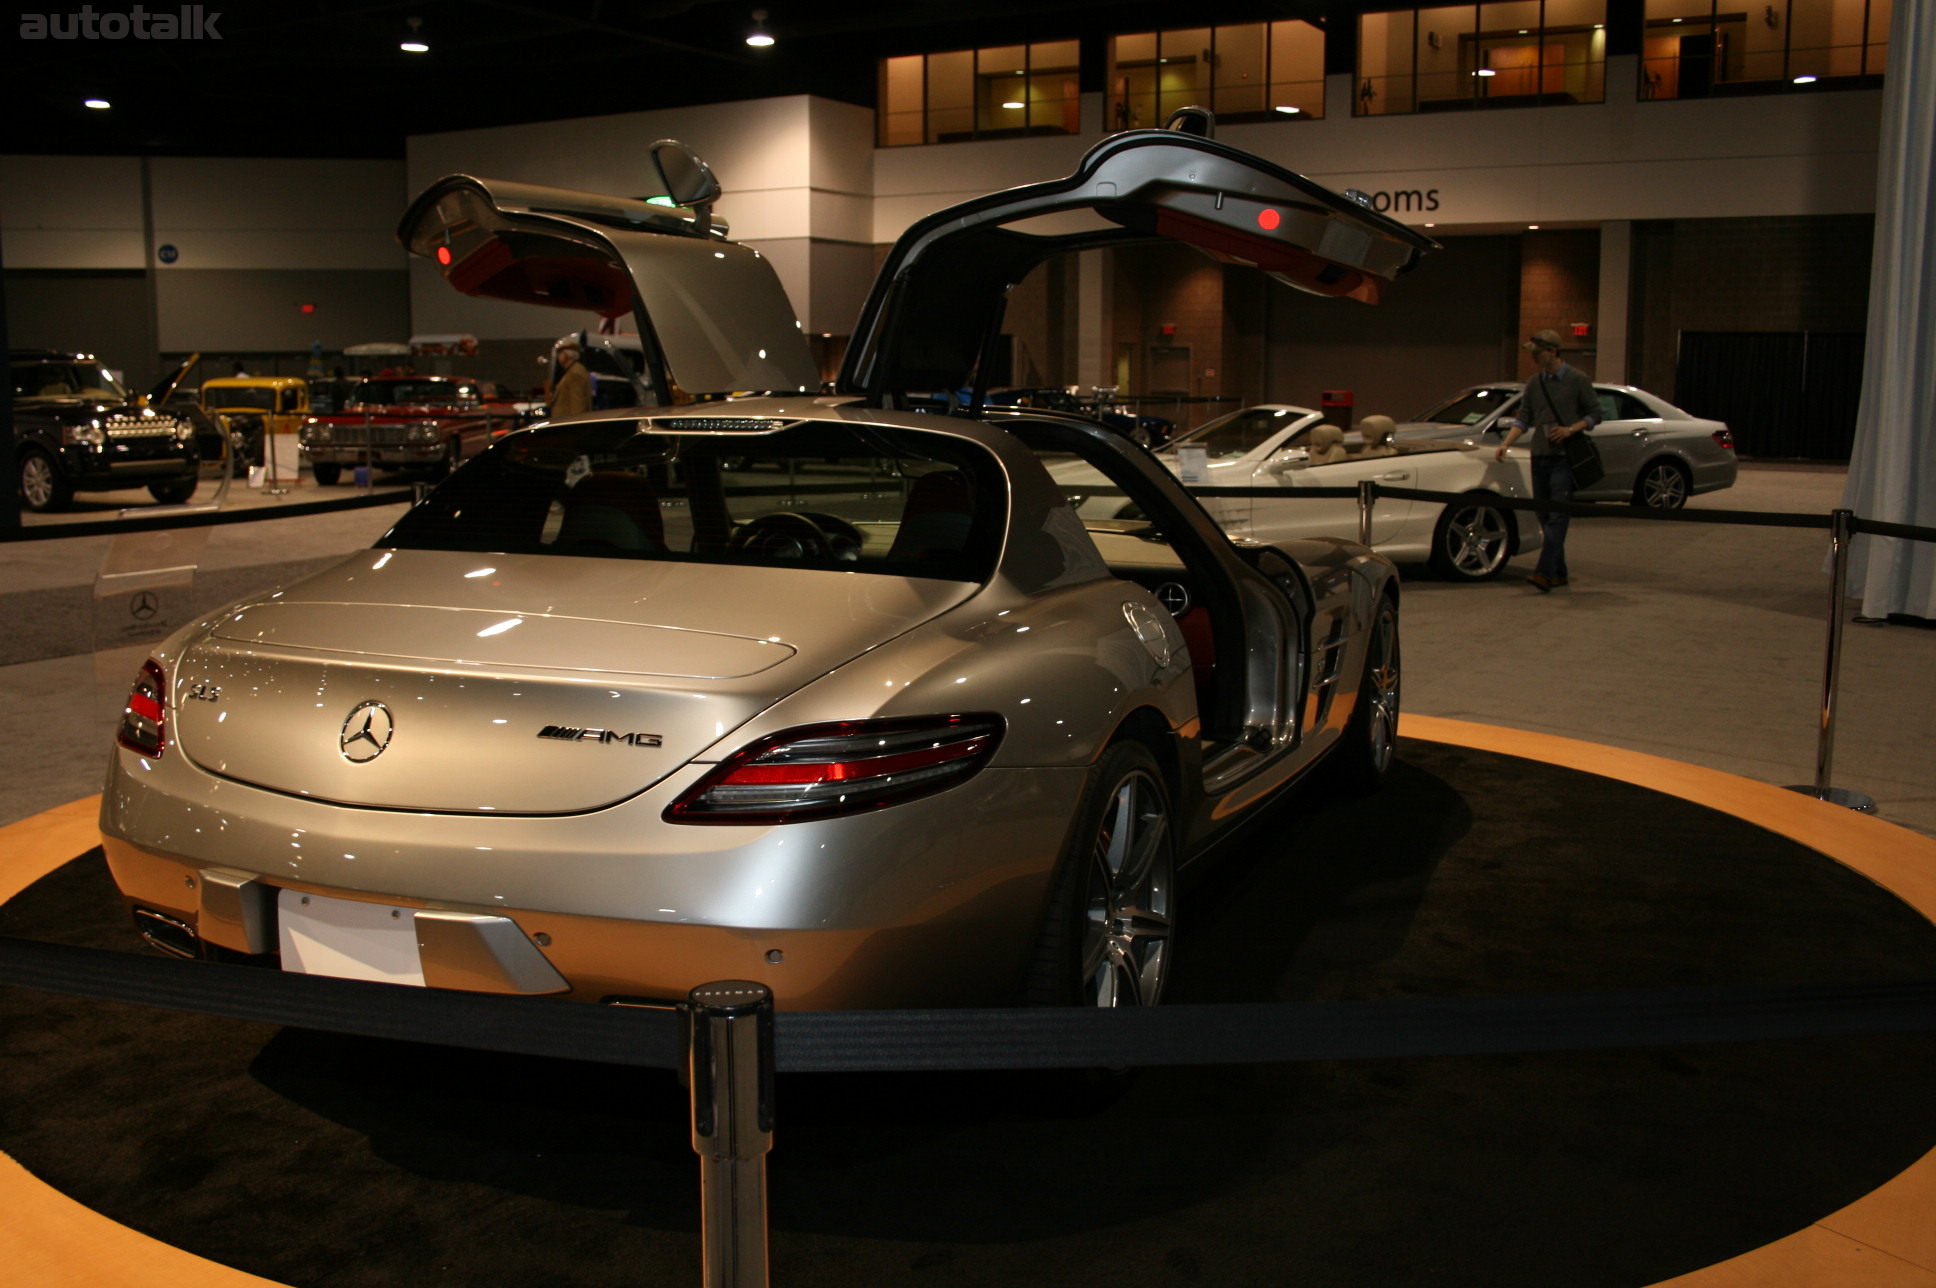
367,732
144,605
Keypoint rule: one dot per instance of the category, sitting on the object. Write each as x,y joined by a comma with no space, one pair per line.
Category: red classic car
429,423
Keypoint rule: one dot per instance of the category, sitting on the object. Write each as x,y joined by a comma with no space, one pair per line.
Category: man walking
1559,403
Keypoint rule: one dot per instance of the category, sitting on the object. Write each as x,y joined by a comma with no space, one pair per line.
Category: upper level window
1694,48
997,93
1249,72
1516,54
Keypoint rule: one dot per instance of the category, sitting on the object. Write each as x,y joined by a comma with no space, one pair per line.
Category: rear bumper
936,902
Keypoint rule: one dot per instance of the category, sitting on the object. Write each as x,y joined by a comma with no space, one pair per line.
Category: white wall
70,212
256,213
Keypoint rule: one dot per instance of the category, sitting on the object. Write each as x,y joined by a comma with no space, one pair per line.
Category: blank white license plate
347,938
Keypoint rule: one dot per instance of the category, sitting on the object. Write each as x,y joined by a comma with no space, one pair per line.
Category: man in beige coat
571,392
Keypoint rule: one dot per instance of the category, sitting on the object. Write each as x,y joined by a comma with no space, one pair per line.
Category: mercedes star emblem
367,732
144,605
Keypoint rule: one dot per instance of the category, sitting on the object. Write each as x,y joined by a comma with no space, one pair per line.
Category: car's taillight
826,770
144,722
1725,437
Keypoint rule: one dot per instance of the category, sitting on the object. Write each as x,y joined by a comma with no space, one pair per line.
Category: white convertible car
1270,446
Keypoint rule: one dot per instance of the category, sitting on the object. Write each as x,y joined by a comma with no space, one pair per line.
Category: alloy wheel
1382,685
1126,924
1663,487
37,481
1475,540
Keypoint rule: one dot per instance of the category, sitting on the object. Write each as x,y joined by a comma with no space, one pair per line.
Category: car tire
43,489
1106,937
1663,485
1473,539
326,473
176,493
1358,763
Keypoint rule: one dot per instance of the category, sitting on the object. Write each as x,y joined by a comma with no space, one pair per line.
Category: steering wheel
790,534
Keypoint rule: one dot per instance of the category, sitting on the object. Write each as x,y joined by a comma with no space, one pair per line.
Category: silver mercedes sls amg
605,718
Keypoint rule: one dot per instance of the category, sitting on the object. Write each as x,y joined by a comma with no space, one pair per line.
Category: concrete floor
1694,642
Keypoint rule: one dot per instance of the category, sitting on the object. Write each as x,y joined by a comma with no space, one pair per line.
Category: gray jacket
1563,398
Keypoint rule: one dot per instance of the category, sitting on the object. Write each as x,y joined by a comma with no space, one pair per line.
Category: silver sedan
1656,455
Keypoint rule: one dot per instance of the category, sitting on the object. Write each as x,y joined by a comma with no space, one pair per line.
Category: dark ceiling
328,79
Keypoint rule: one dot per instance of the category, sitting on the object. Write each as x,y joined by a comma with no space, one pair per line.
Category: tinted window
845,497
441,393
64,379
1615,405
263,399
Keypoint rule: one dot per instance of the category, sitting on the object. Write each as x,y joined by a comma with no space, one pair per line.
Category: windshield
1469,408
1241,432
440,393
851,498
260,397
64,380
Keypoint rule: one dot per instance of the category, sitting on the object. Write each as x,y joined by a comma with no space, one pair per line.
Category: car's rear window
852,498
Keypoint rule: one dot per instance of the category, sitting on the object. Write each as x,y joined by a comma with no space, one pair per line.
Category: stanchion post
1367,497
1841,532
730,1054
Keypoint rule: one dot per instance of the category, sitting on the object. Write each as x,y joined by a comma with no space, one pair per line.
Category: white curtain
1892,473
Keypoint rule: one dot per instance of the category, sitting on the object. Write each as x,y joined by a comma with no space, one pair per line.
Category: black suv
75,429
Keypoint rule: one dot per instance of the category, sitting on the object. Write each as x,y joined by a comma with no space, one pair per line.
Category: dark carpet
331,1162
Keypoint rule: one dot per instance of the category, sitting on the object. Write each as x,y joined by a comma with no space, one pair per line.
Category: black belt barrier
1015,1038
203,519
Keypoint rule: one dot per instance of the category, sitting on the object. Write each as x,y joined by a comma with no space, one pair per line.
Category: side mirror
1295,459
688,180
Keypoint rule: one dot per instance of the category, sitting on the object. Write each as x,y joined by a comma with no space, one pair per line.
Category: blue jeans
1552,481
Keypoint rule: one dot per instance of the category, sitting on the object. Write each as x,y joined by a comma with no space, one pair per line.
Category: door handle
1396,475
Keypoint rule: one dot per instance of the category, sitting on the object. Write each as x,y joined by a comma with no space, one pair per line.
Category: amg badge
565,733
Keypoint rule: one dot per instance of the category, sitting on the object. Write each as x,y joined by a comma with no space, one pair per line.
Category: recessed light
1287,109
1803,79
1532,225
1012,106
99,104
1485,71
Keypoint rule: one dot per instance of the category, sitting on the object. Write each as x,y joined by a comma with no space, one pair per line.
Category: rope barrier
155,523
1018,1038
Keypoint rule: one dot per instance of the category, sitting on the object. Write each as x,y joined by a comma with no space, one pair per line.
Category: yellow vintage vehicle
257,406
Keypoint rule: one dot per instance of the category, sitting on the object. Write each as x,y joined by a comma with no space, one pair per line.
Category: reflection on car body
1655,454
407,422
601,720
76,429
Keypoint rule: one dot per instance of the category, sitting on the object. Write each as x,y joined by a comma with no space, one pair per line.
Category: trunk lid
455,682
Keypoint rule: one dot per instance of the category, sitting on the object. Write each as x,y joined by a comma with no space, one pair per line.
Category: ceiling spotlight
1803,79
414,42
98,104
1287,109
1014,106
1485,71
759,37
1532,225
